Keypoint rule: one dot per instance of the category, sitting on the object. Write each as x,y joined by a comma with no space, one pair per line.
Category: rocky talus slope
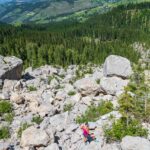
48,90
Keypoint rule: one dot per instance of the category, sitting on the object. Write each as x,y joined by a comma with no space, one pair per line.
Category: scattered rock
87,86
113,85
34,137
117,66
53,146
51,90
135,143
10,68
17,98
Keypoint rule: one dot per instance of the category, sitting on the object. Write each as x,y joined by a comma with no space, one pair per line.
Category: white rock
110,147
87,86
86,100
4,145
113,85
34,137
60,120
71,128
75,138
54,82
97,75
18,86
17,98
92,146
48,96
117,66
68,88
92,125
61,95
53,146
135,143
76,98
45,109
9,85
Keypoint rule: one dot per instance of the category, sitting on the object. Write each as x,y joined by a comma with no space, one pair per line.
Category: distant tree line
71,42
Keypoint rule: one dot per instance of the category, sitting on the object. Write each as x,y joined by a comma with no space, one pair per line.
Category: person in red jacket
87,136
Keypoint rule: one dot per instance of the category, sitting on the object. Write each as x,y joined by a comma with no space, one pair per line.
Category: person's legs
89,138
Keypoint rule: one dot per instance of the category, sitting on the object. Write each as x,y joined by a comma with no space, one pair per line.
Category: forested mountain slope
79,43
45,11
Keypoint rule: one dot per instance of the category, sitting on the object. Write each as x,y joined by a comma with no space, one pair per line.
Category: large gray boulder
10,68
117,66
87,86
113,85
135,143
34,137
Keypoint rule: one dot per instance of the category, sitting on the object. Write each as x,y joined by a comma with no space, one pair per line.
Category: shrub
94,112
9,117
50,78
98,81
71,93
59,87
5,107
62,76
4,133
32,88
37,119
89,71
68,107
23,127
120,129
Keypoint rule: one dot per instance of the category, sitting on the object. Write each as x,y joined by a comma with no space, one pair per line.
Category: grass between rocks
50,78
4,133
93,113
9,117
5,107
6,112
98,81
23,127
37,119
68,107
71,93
32,88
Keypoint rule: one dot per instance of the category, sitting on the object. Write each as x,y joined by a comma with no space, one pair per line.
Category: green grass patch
37,119
68,107
9,117
98,81
32,88
71,93
5,107
23,127
4,133
93,113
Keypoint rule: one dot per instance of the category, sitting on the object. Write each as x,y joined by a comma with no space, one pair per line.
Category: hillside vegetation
68,43
45,11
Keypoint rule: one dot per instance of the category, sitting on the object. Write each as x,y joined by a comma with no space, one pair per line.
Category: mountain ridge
45,11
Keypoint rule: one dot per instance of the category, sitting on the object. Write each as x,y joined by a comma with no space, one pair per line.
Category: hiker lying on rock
87,136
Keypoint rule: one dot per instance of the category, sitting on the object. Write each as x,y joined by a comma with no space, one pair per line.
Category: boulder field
46,91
